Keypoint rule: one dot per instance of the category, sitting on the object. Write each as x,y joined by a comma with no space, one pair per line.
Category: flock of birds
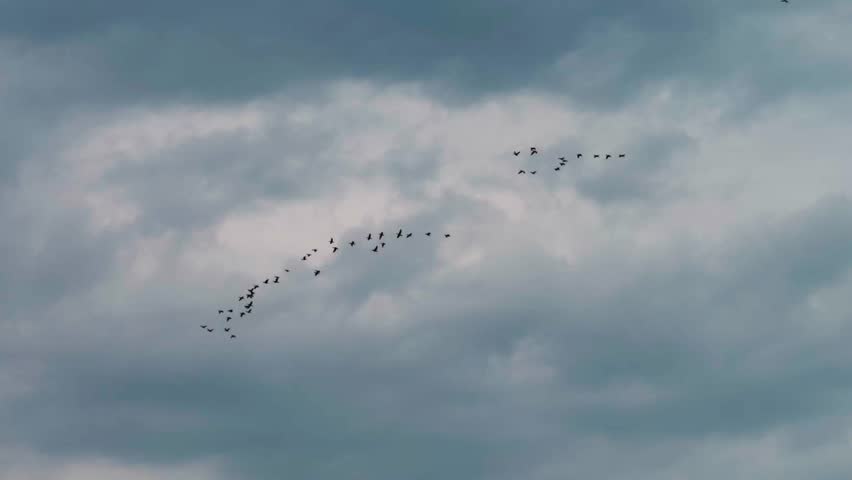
247,299
562,160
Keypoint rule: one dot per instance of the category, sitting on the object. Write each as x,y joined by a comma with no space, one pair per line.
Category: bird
316,272
276,279
256,286
210,329
221,312
521,171
204,326
309,255
230,310
399,233
233,336
608,156
562,158
408,235
331,240
352,243
785,1
621,155
248,311
334,250
532,172
242,314
557,169
381,234
248,305
533,150
266,281
579,155
369,236
516,153
250,296
314,250
376,248
597,156
228,319
383,244
446,235
241,298
428,234
287,270
305,257
227,329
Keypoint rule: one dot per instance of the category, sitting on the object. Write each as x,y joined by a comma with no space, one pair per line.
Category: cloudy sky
681,313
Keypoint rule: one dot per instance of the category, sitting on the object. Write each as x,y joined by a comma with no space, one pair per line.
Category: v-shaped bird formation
246,299
562,161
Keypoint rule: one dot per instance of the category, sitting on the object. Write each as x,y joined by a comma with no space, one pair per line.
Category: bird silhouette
241,298
521,171
227,329
203,326
250,296
221,311
242,314
314,250
446,235
248,305
276,279
383,244
233,336
562,158
409,235
316,272
334,250
369,236
309,255
597,156
557,169
248,311
287,270
533,151
305,257
399,233
532,172
228,319
230,310
621,155
376,248
352,243
381,234
428,234
608,156
266,281
210,329
579,155
516,153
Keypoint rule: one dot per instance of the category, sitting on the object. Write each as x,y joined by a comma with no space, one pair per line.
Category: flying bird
532,172
579,155
248,311
233,336
352,243
399,233
516,153
314,250
621,155
533,151
287,270
305,257
316,272
376,248
381,234
597,156
266,281
383,244
227,329
210,329
446,235
228,319
557,169
204,326
369,236
230,310
241,298
409,235
521,171
334,250
276,279
562,158
608,156
309,255
242,314
221,311
331,240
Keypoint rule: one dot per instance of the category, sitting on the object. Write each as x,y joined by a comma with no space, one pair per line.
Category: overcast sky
680,313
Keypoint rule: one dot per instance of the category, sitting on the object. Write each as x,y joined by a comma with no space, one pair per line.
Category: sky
679,313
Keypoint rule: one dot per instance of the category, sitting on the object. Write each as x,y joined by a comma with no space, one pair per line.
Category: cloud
681,312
